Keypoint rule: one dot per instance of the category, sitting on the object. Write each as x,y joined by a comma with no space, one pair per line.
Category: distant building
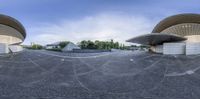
178,34
70,47
53,46
12,33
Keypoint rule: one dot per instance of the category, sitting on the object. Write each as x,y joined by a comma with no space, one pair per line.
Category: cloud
119,27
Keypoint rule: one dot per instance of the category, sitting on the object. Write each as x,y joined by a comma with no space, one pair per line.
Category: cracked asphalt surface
109,75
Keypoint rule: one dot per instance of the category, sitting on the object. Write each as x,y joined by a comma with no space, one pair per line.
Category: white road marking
62,59
36,64
61,56
189,72
77,79
131,60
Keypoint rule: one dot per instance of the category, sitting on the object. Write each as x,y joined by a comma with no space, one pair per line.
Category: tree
116,45
83,44
100,44
111,43
36,46
91,45
63,44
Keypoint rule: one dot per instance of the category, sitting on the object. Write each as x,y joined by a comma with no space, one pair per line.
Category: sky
48,21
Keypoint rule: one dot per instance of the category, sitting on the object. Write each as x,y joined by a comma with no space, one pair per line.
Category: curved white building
178,34
12,33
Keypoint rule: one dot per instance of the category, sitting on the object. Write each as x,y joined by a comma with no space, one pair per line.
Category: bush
55,49
35,47
102,45
63,44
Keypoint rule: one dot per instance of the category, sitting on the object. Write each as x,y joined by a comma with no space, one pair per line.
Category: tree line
88,44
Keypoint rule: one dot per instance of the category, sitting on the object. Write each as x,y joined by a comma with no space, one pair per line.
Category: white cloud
100,27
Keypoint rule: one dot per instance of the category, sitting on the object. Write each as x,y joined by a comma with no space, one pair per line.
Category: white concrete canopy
156,39
9,35
12,33
178,34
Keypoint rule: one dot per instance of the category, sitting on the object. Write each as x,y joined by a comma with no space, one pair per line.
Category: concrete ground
116,75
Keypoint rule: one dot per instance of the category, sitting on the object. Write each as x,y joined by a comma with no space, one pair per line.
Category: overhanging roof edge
155,38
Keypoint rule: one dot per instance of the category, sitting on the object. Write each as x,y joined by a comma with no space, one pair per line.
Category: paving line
76,77
74,57
188,72
36,64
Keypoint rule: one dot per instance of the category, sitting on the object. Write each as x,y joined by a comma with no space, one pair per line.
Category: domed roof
9,21
176,19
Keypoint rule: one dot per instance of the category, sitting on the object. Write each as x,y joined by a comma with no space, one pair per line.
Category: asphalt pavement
39,74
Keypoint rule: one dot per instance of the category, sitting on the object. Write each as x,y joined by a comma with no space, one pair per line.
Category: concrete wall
3,48
157,49
192,48
174,48
187,48
15,48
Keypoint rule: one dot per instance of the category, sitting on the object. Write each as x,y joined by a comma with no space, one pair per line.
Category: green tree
116,45
83,44
91,45
63,44
111,43
36,46
101,44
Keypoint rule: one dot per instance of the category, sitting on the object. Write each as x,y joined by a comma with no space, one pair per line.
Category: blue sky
48,21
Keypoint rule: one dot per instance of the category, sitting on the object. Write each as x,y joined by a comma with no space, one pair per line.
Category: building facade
70,47
178,34
12,34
